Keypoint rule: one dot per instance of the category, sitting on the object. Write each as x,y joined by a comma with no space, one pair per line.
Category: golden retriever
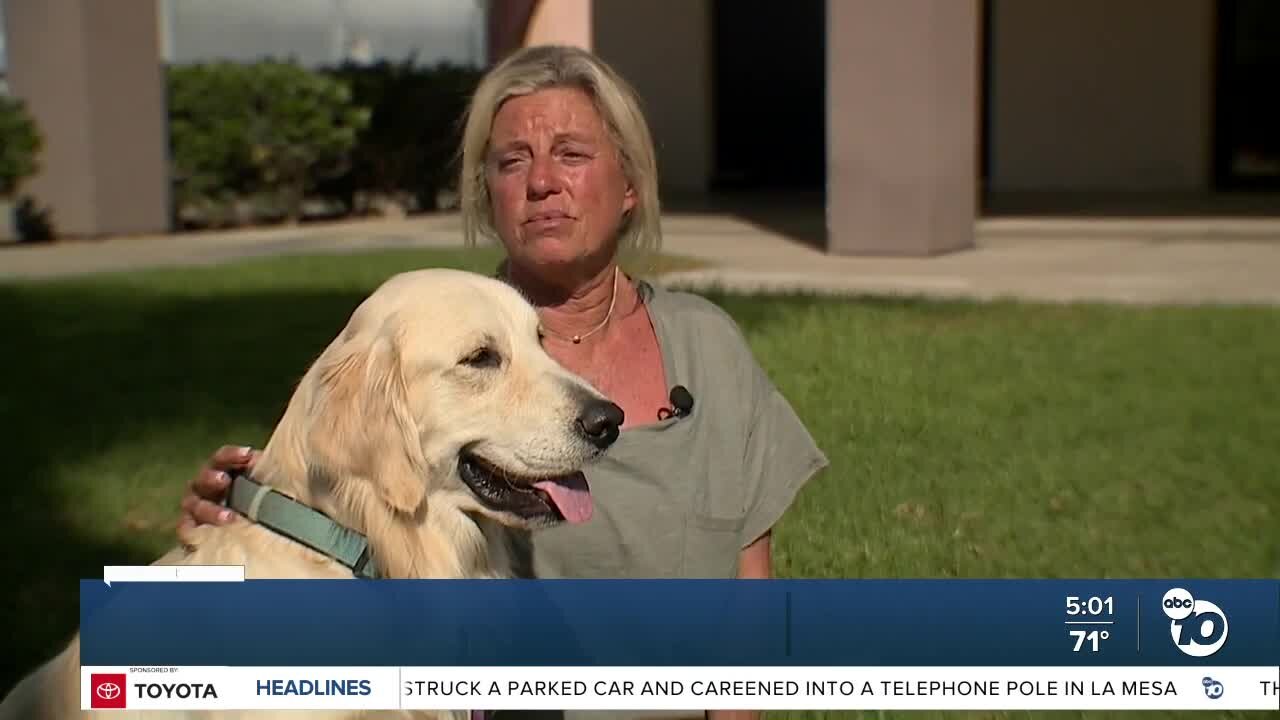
433,423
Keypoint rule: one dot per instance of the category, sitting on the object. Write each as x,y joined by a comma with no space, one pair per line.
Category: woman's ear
629,199
360,425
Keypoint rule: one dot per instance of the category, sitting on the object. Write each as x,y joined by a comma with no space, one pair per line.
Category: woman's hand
202,505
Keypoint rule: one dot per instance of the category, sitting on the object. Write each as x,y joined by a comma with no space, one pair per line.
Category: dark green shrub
303,126
20,145
33,222
409,147
254,140
268,130
209,117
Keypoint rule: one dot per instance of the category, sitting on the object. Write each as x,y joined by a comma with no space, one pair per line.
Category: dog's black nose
599,421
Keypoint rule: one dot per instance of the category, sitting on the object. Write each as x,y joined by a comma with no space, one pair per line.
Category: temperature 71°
1091,637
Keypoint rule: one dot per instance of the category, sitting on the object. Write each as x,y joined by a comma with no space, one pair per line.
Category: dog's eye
484,357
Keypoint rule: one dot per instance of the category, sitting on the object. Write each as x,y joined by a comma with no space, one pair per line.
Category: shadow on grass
91,370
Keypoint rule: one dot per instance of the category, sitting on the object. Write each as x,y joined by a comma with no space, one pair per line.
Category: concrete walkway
1138,261
1143,261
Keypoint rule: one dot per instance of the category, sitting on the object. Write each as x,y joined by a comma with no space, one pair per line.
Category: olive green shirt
680,497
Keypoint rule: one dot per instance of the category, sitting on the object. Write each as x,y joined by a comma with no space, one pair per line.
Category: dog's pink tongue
571,496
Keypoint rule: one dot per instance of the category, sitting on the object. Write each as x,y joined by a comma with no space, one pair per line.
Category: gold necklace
577,339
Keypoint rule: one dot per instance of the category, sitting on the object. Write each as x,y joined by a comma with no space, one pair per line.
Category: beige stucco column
90,74
519,23
902,125
560,22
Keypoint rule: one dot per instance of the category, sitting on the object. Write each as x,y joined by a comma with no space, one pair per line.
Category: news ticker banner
1065,644
692,689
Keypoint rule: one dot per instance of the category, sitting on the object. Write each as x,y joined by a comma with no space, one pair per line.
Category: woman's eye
508,163
483,358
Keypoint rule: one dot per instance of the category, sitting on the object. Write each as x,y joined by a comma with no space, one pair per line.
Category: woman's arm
755,561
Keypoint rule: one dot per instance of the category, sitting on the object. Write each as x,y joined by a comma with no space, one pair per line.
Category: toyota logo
108,691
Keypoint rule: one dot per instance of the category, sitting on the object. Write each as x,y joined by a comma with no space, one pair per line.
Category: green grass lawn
966,439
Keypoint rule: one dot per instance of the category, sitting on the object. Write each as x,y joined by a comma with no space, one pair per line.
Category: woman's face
557,186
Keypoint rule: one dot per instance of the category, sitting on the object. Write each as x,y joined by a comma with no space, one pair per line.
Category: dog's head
438,396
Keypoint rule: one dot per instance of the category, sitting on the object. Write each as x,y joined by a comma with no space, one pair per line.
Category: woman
558,165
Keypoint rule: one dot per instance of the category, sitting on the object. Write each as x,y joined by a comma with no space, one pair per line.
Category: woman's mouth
547,220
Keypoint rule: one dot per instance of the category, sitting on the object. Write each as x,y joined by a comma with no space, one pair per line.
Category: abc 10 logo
1198,627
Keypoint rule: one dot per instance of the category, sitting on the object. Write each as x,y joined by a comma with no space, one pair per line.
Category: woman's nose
543,178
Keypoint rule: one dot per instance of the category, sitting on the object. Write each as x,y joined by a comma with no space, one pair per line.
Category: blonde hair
548,66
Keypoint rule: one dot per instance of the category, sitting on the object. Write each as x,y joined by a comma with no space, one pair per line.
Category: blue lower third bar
619,623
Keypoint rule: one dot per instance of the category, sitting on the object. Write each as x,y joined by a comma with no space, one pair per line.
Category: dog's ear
361,425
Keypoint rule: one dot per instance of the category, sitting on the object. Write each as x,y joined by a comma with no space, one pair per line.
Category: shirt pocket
711,545
718,502
714,523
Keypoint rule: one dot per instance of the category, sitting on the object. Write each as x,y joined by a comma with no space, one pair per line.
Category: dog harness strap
302,524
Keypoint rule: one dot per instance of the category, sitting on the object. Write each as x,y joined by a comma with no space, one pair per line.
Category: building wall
663,47
1098,95
90,75
56,107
